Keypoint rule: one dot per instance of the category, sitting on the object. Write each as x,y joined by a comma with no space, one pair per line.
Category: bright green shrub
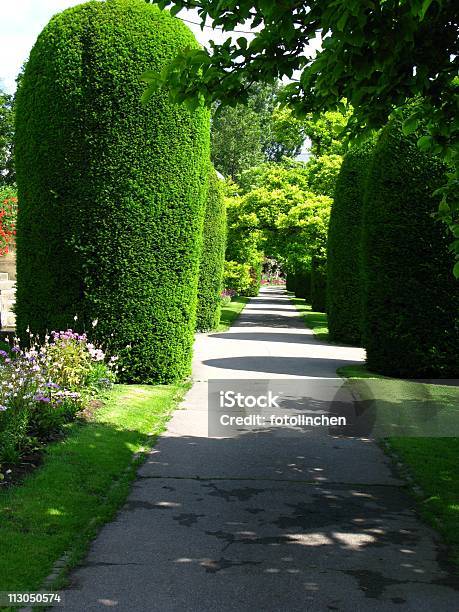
256,271
319,284
111,191
238,277
411,305
344,287
323,172
212,257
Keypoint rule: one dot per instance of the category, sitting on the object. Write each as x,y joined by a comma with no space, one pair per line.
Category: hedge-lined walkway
311,521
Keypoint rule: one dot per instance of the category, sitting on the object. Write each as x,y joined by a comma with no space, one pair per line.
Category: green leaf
425,143
242,42
149,76
410,125
147,94
342,21
424,8
456,269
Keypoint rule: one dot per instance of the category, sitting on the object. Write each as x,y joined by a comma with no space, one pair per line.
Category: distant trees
7,173
244,136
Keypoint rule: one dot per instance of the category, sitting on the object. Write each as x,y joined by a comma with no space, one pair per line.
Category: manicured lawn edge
59,508
317,321
428,465
231,312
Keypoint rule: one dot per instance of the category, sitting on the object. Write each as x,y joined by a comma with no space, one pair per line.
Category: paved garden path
265,521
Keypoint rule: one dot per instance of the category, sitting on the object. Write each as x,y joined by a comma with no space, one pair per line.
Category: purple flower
52,385
41,398
16,349
3,408
3,354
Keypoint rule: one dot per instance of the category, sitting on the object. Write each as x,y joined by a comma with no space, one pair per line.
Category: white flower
95,322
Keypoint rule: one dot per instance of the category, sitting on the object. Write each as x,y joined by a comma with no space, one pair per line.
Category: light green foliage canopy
279,215
325,131
323,172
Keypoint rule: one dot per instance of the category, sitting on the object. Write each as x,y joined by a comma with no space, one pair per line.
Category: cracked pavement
262,521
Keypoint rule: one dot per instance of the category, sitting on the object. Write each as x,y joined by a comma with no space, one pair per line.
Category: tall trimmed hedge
290,282
212,257
344,287
111,191
303,284
411,306
319,284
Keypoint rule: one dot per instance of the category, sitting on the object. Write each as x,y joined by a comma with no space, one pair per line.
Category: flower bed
227,295
44,387
278,282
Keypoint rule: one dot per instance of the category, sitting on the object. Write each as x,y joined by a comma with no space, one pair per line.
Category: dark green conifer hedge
319,284
411,305
212,257
111,191
290,282
344,287
303,284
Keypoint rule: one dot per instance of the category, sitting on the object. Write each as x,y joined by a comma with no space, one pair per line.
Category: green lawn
82,482
317,321
432,462
231,312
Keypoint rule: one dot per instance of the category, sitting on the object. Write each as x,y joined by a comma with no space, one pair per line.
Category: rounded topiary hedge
344,286
111,191
411,305
212,257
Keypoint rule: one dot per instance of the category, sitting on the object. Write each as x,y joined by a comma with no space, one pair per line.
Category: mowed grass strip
82,482
431,461
231,311
317,321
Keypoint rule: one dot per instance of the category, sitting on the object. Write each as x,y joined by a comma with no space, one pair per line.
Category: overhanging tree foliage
376,55
111,191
